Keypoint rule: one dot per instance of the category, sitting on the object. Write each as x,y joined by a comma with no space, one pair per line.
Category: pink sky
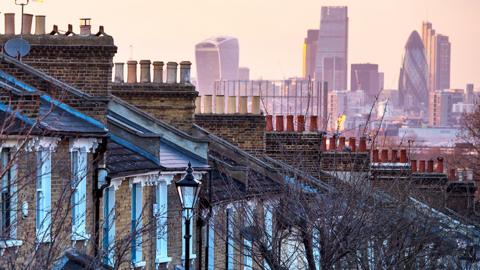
271,32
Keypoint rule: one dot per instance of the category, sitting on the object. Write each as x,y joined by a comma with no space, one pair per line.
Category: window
8,197
211,243
268,223
230,241
160,211
43,195
136,224
79,198
109,225
247,238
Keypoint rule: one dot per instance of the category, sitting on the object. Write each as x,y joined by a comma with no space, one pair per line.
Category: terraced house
89,166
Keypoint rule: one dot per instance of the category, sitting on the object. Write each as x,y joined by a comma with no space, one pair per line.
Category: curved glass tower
413,82
217,59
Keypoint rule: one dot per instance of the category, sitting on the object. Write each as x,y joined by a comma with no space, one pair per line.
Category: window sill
192,256
140,264
163,259
10,243
79,237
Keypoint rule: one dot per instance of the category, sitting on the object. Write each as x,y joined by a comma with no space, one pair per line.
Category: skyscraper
310,46
413,81
332,52
437,52
216,59
243,74
365,77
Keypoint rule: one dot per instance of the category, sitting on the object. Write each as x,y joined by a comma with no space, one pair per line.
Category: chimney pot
333,143
422,166
313,123
394,155
451,175
220,104
40,25
300,123
27,24
119,72
323,147
172,72
384,155
403,155
157,72
362,146
232,104
290,123
9,23
208,104
413,163
430,165
256,105
85,27
375,157
440,165
145,71
185,71
198,105
242,104
132,71
341,143
279,123
352,144
269,124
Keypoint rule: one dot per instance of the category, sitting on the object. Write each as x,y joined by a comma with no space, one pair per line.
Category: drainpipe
99,163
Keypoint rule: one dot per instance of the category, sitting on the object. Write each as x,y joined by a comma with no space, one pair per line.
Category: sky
271,32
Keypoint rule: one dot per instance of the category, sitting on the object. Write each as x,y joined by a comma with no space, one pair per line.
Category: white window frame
109,225
268,223
160,212
230,254
79,163
43,195
8,182
136,217
247,244
211,241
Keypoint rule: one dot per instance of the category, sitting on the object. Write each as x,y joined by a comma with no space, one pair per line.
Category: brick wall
83,62
246,131
172,103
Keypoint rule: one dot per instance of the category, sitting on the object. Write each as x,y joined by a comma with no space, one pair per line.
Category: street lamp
188,189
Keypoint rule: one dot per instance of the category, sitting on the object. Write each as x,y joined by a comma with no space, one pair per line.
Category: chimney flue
145,71
394,155
256,105
279,123
341,143
384,155
27,24
231,104
413,163
172,72
269,123
323,147
313,123
85,27
198,105
300,123
132,71
451,175
40,25
220,104
208,104
185,71
290,127
403,156
119,72
422,166
375,157
440,165
333,143
9,23
362,146
157,72
352,144
430,166
242,104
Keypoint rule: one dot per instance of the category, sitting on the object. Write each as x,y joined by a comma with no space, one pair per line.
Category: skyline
183,24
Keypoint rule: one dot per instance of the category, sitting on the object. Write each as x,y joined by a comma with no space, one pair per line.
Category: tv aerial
17,47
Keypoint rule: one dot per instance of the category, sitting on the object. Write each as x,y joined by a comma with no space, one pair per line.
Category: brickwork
83,62
173,103
246,131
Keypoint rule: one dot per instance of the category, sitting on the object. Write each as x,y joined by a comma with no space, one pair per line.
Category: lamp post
188,189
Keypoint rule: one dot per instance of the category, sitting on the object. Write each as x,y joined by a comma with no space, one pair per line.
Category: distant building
337,106
332,53
365,77
217,59
437,51
310,47
441,106
413,81
243,73
381,80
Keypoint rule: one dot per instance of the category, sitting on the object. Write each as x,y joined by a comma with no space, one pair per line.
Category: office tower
365,77
413,81
381,80
441,106
337,106
470,95
437,52
217,59
243,74
332,52
310,46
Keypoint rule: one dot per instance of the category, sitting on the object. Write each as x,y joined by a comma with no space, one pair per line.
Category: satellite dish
17,47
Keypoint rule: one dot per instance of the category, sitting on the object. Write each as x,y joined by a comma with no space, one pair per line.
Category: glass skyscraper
413,82
332,52
216,59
